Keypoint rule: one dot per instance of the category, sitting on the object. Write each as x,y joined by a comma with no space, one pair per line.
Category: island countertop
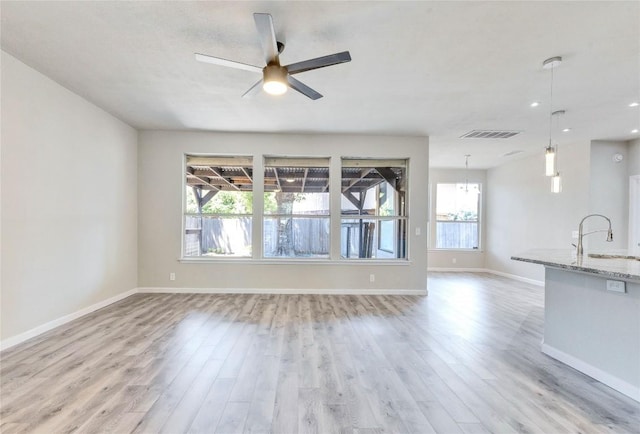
620,268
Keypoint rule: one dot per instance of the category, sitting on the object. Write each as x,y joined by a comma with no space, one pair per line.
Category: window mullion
335,200
258,208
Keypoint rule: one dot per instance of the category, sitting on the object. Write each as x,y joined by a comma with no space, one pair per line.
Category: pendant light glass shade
550,161
556,183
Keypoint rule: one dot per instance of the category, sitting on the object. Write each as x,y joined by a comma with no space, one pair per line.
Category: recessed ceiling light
535,104
634,131
566,130
634,104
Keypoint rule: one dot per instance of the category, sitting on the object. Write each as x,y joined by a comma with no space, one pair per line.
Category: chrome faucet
579,247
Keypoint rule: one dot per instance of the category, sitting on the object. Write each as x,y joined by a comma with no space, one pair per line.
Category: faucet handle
574,245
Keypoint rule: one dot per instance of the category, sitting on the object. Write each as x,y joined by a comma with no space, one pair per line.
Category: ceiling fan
276,78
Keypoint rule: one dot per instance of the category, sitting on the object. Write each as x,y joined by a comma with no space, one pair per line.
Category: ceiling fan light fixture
275,79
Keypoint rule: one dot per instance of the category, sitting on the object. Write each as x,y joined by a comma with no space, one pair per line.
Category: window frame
296,162
401,241
335,215
242,160
433,229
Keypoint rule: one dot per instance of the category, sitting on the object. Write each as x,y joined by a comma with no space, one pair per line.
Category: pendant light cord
551,106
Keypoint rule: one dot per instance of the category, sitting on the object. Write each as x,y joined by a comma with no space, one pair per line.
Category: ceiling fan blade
253,90
303,88
224,62
264,24
319,62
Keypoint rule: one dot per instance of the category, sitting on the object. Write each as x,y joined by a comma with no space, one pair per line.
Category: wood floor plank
233,418
212,406
285,412
439,418
465,359
262,403
309,411
187,409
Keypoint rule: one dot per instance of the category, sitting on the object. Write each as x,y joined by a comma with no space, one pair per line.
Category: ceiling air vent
509,154
489,134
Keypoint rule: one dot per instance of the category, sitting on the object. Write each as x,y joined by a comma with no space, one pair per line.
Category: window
218,207
295,217
373,216
457,210
296,208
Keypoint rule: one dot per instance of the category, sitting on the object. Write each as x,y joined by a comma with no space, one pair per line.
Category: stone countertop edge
627,269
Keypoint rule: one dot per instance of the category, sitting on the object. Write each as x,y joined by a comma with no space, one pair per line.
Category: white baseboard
487,270
327,291
615,383
15,340
457,270
515,277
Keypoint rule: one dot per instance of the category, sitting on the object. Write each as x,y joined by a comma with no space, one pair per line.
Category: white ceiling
419,68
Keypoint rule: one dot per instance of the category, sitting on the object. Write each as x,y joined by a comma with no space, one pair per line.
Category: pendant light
466,172
550,150
556,183
556,180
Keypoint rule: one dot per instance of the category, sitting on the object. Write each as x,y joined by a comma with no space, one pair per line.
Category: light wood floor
465,359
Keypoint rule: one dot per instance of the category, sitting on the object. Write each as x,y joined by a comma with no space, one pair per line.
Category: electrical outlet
172,276
616,286
574,235
372,278
417,231
454,260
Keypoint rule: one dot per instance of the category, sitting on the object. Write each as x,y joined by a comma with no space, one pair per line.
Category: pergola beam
351,198
304,179
207,197
190,172
275,171
247,174
363,173
219,175
389,176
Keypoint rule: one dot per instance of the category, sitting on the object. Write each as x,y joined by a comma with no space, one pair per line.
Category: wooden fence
298,237
456,235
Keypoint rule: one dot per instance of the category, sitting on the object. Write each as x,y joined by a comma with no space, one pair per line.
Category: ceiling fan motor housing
275,78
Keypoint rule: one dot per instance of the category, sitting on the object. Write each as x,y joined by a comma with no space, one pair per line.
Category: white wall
160,188
522,213
633,165
608,195
465,259
69,228
633,170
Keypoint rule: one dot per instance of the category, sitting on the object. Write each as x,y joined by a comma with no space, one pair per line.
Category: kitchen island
592,314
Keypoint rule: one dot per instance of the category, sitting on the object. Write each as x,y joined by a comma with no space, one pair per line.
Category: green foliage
241,202
281,203
465,216
224,202
386,209
270,203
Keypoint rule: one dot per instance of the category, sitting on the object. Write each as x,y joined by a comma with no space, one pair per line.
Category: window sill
290,261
